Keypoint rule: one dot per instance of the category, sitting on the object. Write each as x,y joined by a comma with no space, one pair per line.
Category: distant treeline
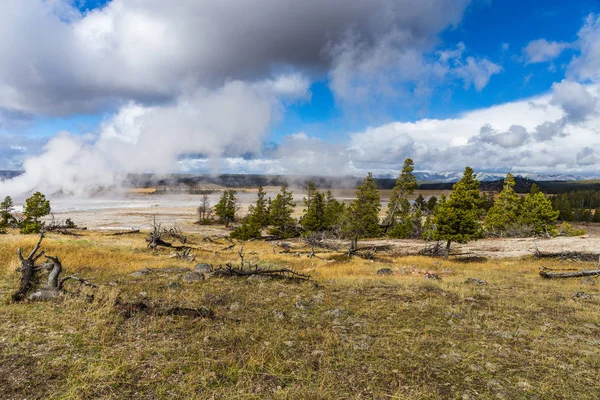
578,205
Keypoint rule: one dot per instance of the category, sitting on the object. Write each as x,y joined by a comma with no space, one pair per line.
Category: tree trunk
447,250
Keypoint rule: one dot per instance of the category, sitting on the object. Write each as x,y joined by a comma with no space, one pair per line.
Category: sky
92,90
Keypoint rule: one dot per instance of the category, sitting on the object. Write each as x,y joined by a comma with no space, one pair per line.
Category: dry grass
353,335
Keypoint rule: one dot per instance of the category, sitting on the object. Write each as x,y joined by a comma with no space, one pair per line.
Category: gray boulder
192,276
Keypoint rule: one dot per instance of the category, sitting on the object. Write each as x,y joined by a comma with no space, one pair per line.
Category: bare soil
138,211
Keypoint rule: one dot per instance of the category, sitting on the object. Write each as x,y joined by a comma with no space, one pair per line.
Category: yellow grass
400,337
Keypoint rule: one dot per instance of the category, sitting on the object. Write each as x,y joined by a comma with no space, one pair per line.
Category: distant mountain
425,176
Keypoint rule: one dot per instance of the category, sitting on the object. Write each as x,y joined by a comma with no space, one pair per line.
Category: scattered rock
173,285
112,283
319,298
289,343
143,294
235,306
278,314
281,294
44,294
363,343
476,281
582,295
525,385
203,268
192,276
302,304
431,275
385,271
336,312
491,367
140,273
317,353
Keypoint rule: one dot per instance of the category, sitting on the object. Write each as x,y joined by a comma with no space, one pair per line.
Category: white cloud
150,51
477,72
586,65
542,50
575,99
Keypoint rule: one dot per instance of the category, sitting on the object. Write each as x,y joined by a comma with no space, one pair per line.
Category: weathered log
132,231
28,270
544,273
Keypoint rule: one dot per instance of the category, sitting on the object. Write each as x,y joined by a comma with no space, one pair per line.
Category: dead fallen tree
185,254
282,273
130,232
55,285
436,249
547,273
247,269
569,256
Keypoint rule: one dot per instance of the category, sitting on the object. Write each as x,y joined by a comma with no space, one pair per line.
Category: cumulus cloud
586,65
575,99
515,136
587,156
542,50
149,51
477,72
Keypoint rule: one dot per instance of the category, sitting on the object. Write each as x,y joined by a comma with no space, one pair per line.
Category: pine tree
36,207
432,203
399,206
281,214
334,211
457,218
420,203
6,209
362,216
596,216
226,208
539,215
260,213
313,219
534,189
257,219
506,211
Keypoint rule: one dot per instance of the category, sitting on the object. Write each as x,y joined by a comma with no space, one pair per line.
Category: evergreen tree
596,216
362,216
534,189
334,211
6,209
420,203
36,207
431,204
506,211
538,214
313,219
281,214
260,213
257,219
399,206
457,218
226,208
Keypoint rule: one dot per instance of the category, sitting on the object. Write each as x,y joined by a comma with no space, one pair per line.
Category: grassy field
346,334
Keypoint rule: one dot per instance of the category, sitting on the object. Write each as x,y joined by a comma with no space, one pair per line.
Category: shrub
565,229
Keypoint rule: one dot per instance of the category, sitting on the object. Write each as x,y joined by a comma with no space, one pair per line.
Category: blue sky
485,28
292,87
